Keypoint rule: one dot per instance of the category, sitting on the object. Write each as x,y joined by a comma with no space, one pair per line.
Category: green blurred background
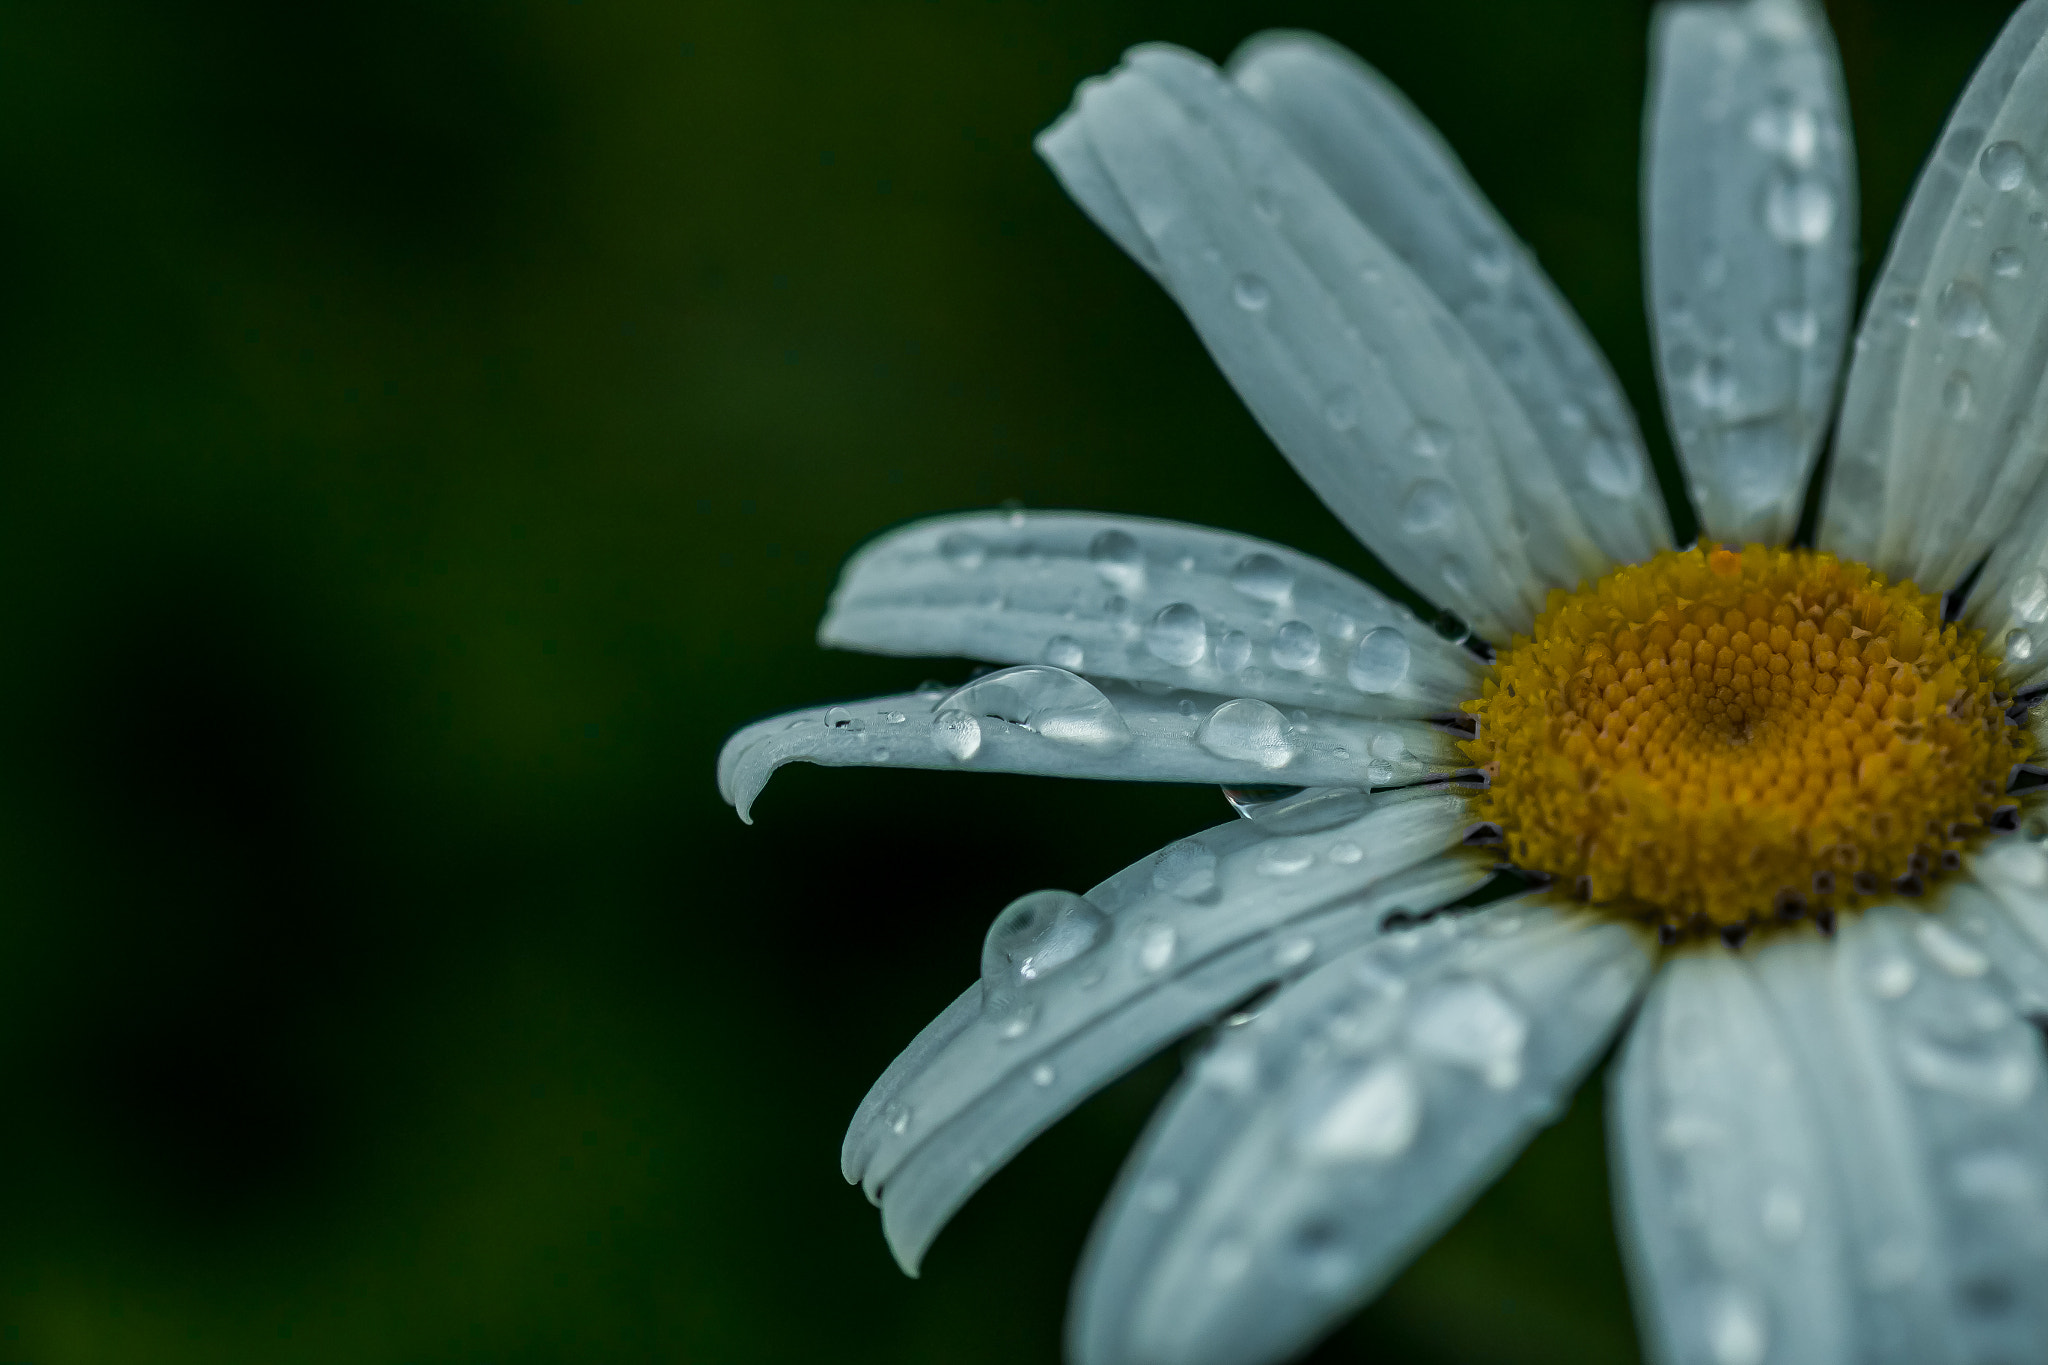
429,428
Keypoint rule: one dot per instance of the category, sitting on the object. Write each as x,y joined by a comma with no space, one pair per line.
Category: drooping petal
1313,1150
1944,425
1048,722
1402,180
1750,231
1364,379
1159,948
1149,601
1834,1153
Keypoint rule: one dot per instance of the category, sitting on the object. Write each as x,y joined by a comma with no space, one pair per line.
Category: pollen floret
1714,737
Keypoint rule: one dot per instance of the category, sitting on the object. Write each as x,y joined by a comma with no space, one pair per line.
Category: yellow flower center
1715,738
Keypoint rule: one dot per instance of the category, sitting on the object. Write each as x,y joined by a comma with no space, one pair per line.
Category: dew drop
1961,310
1381,660
1247,731
1470,1024
1156,943
1430,505
1798,328
1891,977
963,551
1493,267
1064,651
1345,853
1379,772
1296,646
1118,559
1049,702
1186,870
1284,857
1789,130
958,733
1178,635
1958,396
2007,262
1372,1118
896,1114
1233,651
2030,598
1611,471
839,718
2019,646
1042,1075
1735,1329
1429,441
1251,293
1036,936
1799,210
1991,1071
1340,409
1292,951
2003,166
1263,576
1949,952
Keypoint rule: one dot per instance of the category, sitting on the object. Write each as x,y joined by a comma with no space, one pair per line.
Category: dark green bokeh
429,428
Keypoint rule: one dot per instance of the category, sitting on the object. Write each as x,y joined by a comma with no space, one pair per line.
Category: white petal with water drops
1320,1144
1402,181
1919,487
1185,938
1149,601
1043,720
1750,230
1340,351
1815,1133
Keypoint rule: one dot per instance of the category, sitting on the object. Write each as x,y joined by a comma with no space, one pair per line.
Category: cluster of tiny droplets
1717,739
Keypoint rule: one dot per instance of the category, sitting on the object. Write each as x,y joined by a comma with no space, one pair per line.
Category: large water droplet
1233,651
1430,504
1064,651
2008,263
1961,310
1247,731
1296,646
1035,936
1118,558
1178,635
1798,328
1373,1117
958,733
1381,659
1469,1024
1186,870
2030,597
2019,646
1799,210
963,551
2003,166
1250,292
1611,471
1263,576
1050,702
1155,945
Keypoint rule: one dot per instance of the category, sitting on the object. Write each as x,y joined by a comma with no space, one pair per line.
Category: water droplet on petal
1429,441
897,1115
2003,166
1233,651
1798,328
958,733
1186,870
1959,396
1178,635
1949,952
1050,702
1891,977
2019,646
839,718
1296,646
1251,293
1118,559
1064,651
1263,576
1340,409
962,551
1789,130
2030,598
1961,310
1247,731
1735,1329
1344,853
2007,262
1284,857
1381,659
1292,951
1799,210
1611,471
1430,504
1493,267
1373,1117
1035,936
1156,943
1042,1075
1470,1024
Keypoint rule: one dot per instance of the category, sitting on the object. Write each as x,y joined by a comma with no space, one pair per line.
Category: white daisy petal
1310,1153
1150,601
1165,944
1944,427
1361,376
1750,202
2009,600
1048,722
1835,1152
1403,181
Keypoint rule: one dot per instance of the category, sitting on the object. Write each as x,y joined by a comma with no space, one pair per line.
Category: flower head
1774,801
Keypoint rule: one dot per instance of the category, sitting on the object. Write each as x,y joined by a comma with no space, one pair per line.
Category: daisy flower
1770,805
